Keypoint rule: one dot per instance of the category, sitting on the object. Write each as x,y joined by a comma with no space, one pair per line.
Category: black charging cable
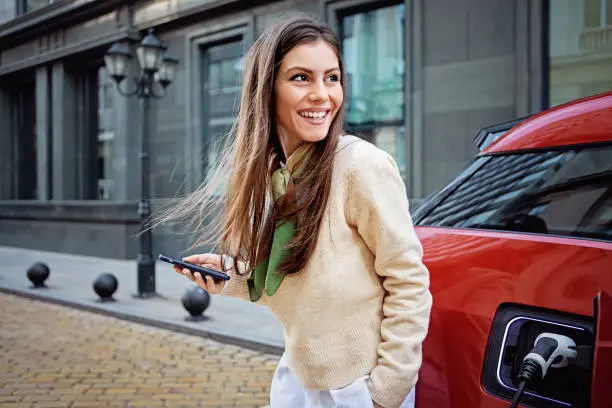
549,350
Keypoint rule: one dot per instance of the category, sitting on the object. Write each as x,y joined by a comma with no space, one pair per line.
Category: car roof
587,120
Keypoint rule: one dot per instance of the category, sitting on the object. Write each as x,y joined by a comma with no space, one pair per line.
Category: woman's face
308,94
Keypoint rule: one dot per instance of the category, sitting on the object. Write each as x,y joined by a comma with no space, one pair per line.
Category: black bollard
105,285
38,274
196,300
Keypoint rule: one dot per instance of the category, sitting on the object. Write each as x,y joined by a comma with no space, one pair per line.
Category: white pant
286,391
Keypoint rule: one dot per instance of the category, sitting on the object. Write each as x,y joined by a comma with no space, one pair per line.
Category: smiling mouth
314,117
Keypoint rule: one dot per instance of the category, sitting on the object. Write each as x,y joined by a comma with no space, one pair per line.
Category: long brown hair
252,151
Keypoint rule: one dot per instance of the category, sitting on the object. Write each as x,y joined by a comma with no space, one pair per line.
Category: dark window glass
373,51
221,72
565,193
597,13
592,13
105,136
97,130
374,58
23,103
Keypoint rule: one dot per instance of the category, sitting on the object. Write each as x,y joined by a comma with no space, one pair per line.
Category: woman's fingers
208,283
204,259
200,281
184,271
212,261
211,284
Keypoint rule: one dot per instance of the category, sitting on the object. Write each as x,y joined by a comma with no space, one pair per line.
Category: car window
565,193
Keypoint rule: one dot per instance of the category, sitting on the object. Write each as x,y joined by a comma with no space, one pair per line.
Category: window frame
339,11
603,16
195,41
17,99
86,124
409,124
205,63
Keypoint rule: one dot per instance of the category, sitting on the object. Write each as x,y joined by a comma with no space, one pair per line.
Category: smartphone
195,268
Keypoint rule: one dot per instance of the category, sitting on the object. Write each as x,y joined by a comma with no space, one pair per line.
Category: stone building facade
425,77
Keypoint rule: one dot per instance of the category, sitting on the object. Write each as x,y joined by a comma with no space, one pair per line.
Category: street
54,356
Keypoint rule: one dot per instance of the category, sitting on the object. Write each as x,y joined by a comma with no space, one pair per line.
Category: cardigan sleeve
378,206
237,285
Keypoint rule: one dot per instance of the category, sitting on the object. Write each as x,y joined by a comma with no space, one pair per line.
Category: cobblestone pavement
53,356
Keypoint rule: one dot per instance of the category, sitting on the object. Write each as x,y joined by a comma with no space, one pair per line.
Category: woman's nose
318,92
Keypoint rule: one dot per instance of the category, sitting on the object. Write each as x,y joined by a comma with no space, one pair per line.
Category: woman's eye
299,77
334,78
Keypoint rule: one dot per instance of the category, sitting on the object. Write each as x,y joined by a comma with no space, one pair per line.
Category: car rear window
566,193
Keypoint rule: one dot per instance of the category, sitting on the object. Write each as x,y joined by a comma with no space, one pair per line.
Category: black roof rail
489,134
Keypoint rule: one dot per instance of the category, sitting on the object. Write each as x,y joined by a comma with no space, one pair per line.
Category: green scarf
265,276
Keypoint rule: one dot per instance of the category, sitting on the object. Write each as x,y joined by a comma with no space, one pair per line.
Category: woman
318,229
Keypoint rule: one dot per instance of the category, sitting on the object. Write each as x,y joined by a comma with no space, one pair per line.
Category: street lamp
155,67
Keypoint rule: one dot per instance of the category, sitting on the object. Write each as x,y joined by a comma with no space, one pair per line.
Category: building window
374,54
221,79
597,13
105,135
580,49
98,130
27,6
23,103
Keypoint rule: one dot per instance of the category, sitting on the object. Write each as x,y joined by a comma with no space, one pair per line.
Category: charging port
515,331
571,383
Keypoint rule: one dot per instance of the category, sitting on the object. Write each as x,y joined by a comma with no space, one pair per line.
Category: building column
6,146
414,97
531,57
126,144
43,136
538,97
65,142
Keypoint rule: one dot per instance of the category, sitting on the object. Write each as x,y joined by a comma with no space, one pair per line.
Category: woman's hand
212,261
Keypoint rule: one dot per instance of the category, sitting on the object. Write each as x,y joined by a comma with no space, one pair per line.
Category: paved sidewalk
57,357
228,320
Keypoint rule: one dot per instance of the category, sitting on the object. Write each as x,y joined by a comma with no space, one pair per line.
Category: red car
520,244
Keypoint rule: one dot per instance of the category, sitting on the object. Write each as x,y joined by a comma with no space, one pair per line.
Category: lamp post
156,70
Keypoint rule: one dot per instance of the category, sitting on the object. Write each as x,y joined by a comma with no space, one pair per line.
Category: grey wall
100,229
169,128
469,55
103,240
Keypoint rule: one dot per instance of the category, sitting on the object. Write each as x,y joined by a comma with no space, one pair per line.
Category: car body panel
472,273
583,121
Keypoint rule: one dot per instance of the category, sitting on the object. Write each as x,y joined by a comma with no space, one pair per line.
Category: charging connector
549,350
